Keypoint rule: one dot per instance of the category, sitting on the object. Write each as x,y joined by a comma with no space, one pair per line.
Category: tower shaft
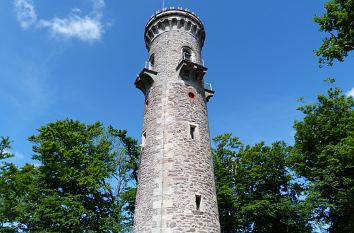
176,190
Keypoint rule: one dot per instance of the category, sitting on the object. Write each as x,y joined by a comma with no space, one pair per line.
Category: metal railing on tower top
208,86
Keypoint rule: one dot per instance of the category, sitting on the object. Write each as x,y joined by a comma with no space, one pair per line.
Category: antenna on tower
163,4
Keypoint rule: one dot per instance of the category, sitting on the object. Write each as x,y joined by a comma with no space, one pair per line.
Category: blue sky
79,59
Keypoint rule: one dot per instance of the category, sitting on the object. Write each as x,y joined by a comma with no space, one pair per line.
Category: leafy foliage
126,176
88,173
338,21
71,191
4,145
254,188
324,154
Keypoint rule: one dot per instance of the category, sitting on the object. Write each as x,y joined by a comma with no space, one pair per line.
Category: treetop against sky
79,59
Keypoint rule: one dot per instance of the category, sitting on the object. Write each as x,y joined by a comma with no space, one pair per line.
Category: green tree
324,154
255,189
126,176
338,22
15,186
84,183
5,144
74,194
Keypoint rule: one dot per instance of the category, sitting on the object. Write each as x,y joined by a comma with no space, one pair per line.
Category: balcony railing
208,86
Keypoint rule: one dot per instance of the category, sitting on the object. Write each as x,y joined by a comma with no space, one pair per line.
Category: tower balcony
145,79
208,90
191,71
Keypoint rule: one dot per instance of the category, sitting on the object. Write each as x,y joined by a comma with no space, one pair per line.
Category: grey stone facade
176,191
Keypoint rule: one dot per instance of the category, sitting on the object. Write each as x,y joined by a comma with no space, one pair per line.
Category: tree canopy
338,22
72,190
87,173
255,189
324,154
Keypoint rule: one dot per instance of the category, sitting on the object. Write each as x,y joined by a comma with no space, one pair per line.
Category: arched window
187,54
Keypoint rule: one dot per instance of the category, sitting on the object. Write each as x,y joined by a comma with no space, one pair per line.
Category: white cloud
25,13
88,28
97,8
351,92
83,28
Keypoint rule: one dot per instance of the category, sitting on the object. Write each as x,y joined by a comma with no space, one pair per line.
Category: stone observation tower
176,190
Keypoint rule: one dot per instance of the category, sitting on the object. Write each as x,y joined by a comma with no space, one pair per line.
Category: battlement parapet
174,19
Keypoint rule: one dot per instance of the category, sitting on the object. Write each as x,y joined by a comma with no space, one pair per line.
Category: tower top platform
174,19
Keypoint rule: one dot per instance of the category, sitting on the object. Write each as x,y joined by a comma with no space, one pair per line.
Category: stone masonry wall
175,169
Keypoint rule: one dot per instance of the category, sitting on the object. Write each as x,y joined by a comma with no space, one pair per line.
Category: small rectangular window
198,199
192,131
152,61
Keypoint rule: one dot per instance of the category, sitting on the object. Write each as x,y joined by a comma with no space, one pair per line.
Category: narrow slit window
198,200
192,129
152,61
